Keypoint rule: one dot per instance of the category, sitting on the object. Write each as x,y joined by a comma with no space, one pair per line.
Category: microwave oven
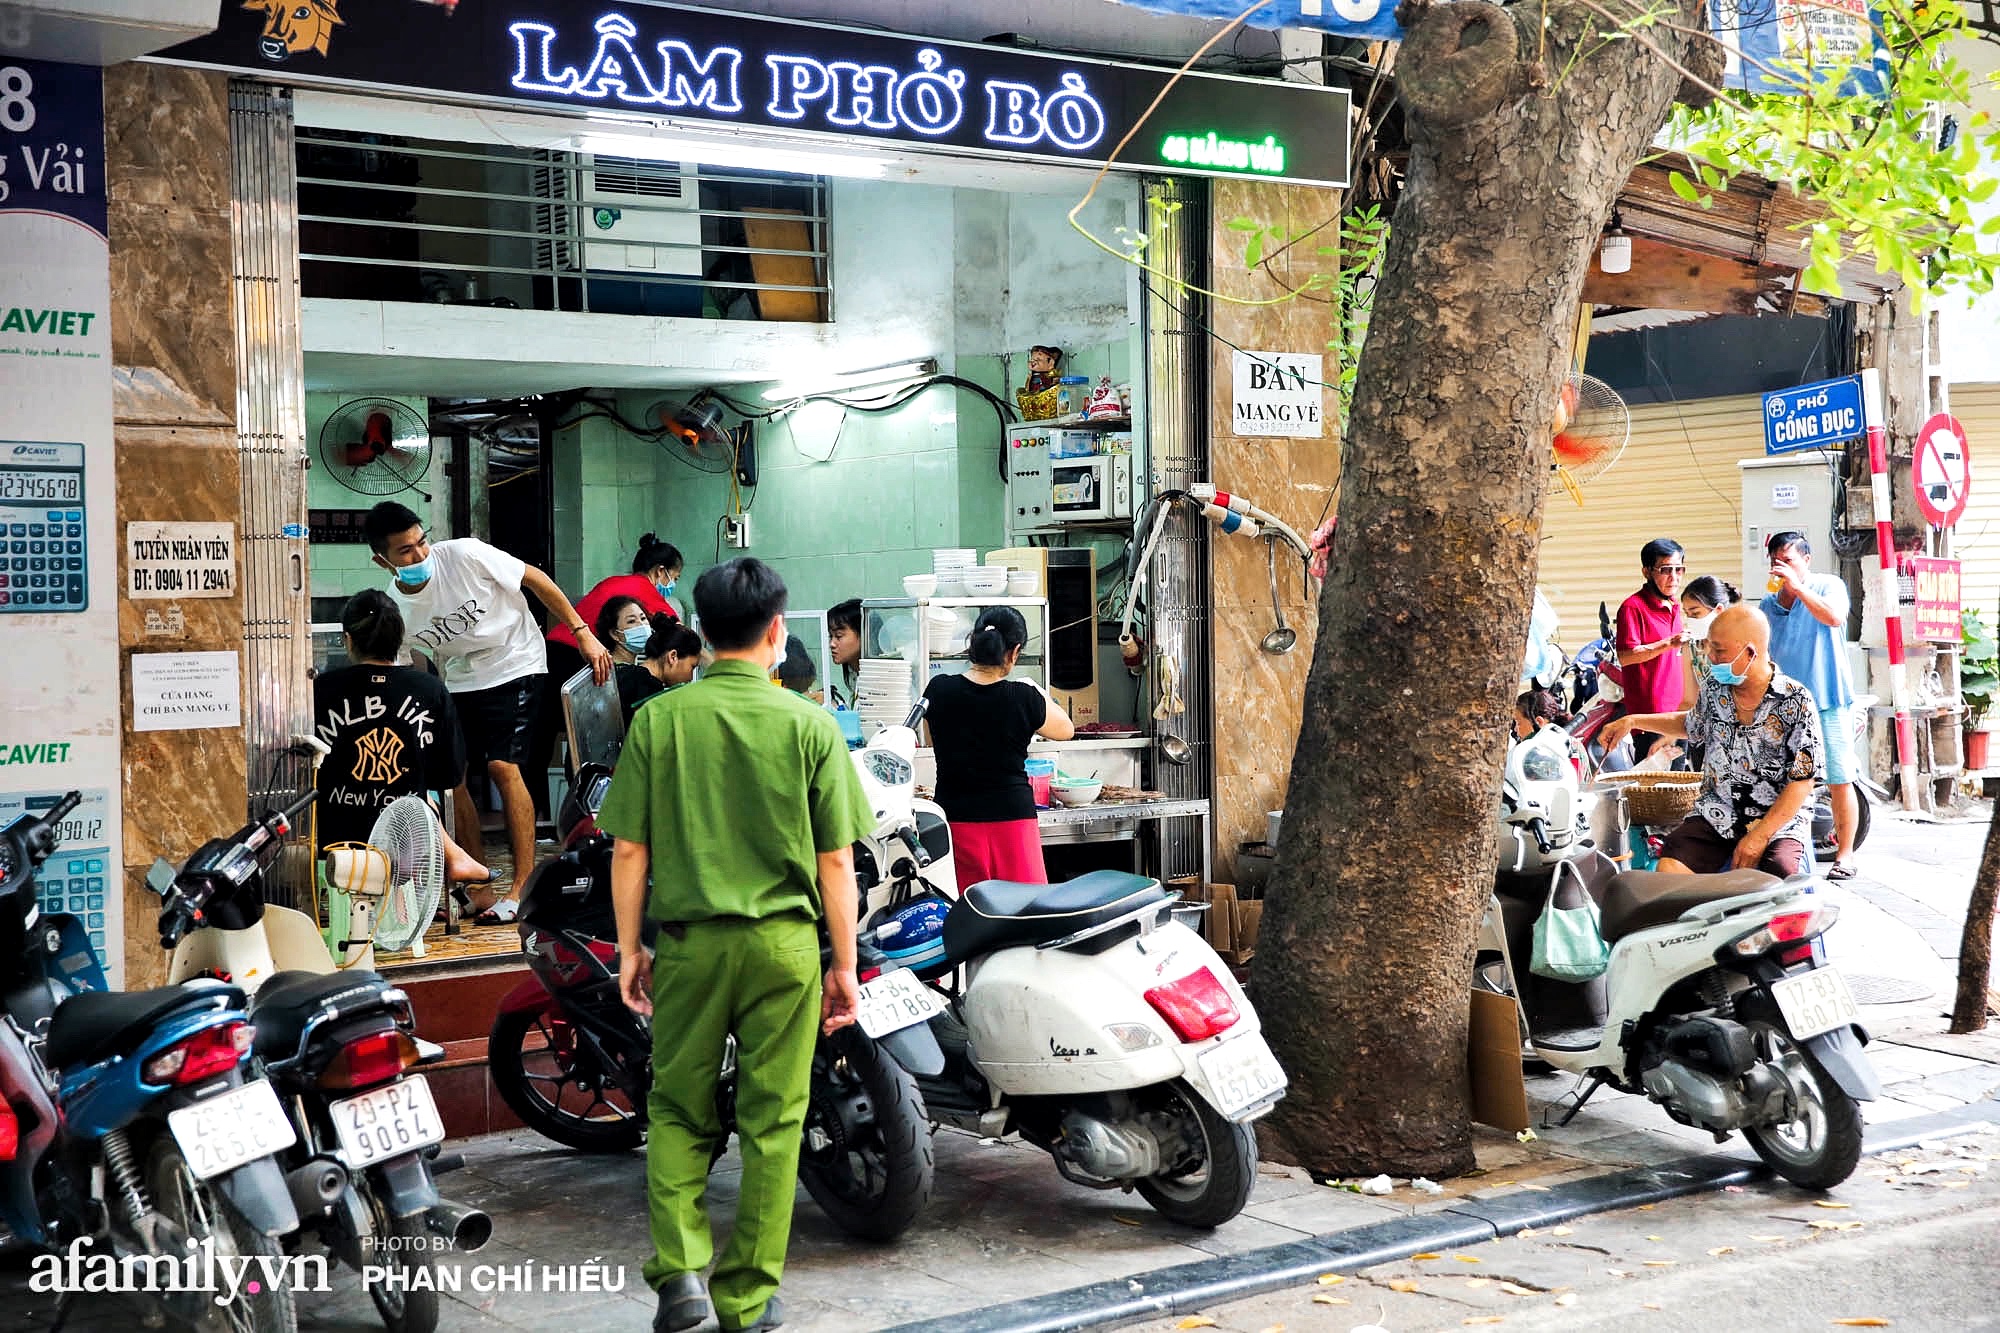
1046,489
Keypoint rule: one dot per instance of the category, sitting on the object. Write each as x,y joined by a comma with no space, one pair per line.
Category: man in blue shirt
1808,615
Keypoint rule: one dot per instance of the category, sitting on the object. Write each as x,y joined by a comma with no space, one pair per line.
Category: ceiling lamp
1614,254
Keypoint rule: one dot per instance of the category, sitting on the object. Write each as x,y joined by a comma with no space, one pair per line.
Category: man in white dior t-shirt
464,603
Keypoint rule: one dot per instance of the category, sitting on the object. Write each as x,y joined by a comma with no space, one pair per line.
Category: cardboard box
1249,915
1493,1063
1222,918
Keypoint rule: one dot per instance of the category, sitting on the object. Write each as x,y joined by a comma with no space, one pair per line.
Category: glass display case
932,633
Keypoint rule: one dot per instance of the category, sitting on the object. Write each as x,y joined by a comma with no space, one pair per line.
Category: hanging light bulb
1614,255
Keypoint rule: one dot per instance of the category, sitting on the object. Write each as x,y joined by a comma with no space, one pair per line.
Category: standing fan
386,893
376,446
1591,427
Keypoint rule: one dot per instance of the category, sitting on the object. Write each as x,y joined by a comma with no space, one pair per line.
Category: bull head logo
291,26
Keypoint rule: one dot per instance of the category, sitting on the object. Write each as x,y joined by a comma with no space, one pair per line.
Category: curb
1186,1288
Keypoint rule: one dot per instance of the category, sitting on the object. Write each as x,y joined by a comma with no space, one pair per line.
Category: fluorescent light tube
846,381
748,156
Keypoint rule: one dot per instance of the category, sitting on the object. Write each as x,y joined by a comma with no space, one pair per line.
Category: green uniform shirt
734,786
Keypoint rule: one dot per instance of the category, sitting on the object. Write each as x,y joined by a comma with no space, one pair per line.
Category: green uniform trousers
761,981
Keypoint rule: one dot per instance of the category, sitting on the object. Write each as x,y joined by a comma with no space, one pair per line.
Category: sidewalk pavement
1003,1226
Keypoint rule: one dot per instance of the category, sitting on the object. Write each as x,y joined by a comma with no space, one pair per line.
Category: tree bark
1387,849
1975,946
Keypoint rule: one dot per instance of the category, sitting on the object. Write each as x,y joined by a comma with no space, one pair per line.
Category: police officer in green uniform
742,802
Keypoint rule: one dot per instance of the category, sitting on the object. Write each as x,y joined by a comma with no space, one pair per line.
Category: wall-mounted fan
376,446
1591,427
696,422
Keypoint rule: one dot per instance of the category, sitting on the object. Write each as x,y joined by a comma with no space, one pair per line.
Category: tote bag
1568,946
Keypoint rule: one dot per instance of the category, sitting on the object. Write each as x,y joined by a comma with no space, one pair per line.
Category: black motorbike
575,1064
341,1047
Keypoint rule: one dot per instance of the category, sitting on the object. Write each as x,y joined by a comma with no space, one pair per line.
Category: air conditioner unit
640,217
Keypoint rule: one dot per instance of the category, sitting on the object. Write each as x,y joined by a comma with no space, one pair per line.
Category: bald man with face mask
1762,756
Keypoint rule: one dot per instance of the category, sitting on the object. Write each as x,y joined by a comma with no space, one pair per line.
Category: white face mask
1697,627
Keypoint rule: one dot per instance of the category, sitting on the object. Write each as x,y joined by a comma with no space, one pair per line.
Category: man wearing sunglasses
1651,636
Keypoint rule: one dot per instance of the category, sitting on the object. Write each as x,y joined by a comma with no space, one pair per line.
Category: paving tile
1328,1209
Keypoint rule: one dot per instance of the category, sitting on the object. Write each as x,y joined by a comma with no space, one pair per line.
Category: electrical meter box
1791,493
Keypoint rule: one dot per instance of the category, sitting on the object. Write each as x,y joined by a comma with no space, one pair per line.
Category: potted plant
1978,683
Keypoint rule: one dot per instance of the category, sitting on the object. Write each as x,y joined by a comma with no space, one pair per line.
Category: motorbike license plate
1241,1073
1815,1002
231,1129
387,1122
896,1000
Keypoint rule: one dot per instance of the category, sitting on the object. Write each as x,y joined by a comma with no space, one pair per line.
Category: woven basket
1657,799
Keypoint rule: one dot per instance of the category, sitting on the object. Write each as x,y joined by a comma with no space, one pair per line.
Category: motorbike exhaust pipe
316,1185
467,1228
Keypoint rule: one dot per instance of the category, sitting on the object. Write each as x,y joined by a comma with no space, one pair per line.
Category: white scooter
1089,1021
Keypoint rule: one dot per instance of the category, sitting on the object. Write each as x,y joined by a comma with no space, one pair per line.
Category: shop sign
1942,470
1937,603
180,560
185,691
702,67
59,696
1349,18
1277,393
1768,44
1813,416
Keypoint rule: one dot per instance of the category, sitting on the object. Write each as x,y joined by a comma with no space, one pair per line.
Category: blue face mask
1724,673
636,638
417,575
667,588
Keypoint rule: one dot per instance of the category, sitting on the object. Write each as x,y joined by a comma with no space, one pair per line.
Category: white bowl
1024,584
949,585
1078,793
920,585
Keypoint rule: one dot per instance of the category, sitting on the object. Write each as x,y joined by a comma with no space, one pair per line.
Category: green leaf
1244,224
1683,186
1253,251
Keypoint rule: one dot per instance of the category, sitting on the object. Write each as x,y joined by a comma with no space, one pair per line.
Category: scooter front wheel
1821,1146
1208,1191
557,1087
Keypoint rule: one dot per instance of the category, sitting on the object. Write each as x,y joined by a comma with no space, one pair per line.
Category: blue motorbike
133,1140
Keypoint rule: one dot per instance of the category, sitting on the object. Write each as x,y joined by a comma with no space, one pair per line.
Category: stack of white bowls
1024,583
952,565
986,581
883,694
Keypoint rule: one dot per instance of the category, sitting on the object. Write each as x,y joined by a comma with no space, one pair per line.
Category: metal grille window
389,218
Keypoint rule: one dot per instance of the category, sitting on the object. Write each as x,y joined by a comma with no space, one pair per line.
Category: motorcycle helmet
912,933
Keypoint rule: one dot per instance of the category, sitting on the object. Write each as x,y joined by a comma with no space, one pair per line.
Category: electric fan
386,893
376,446
1592,425
694,422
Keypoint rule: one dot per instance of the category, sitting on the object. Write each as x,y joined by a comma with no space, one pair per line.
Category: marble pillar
167,169
1258,696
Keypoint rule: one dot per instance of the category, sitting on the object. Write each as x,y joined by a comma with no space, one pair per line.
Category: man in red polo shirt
1651,635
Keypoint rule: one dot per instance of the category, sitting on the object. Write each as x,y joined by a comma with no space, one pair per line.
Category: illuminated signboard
703,67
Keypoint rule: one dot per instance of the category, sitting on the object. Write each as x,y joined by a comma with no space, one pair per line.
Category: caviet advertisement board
711,69
59,696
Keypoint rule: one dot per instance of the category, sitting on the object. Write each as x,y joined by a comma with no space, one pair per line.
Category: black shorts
499,723
1696,845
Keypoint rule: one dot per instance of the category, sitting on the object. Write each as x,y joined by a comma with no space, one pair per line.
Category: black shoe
773,1317
683,1304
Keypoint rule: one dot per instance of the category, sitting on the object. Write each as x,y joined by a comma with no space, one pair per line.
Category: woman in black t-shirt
392,730
669,659
981,723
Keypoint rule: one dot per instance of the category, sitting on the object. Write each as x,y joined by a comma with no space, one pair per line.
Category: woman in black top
980,724
392,730
669,659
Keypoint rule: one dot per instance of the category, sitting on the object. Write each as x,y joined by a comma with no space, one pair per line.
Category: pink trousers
1011,849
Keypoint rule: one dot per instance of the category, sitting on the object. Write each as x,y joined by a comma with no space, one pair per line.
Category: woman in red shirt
656,567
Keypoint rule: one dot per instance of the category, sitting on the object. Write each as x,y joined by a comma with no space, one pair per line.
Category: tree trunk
1387,847
1975,946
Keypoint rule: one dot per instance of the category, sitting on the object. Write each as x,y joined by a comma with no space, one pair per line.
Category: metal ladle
1284,638
1175,750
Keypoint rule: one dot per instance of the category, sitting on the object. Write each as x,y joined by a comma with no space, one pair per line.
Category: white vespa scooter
1717,1002
1089,1021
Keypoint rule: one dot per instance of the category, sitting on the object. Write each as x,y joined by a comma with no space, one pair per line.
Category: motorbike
130,1122
1717,1002
575,1064
341,1049
1081,1015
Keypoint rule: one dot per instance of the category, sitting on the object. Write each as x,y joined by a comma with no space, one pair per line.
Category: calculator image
80,878
42,565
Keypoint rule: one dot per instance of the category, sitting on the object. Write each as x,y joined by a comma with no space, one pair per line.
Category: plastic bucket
1041,773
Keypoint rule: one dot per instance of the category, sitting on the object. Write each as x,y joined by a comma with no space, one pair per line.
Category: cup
1774,584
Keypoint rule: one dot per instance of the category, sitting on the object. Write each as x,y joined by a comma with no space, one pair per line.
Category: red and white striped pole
1888,594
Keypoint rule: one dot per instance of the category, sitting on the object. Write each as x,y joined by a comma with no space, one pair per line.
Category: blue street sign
1813,416
1349,18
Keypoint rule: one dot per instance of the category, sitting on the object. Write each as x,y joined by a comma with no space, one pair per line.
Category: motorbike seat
1638,899
998,914
96,1024
288,1000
